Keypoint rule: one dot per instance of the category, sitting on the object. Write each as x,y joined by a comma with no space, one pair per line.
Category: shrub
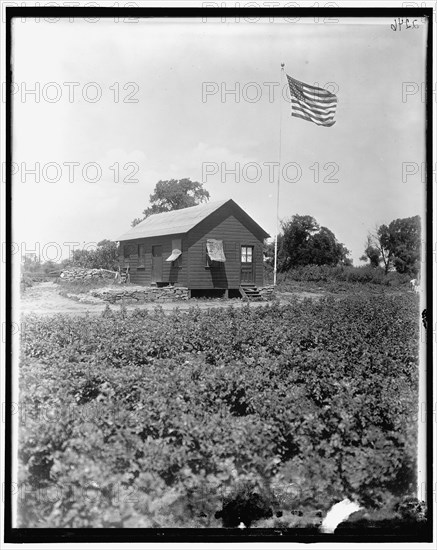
349,274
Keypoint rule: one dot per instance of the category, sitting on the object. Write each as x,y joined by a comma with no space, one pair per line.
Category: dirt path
44,299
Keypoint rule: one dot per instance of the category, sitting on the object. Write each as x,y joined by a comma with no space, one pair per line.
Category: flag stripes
312,103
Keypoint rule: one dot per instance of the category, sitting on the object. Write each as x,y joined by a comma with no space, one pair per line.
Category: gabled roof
178,221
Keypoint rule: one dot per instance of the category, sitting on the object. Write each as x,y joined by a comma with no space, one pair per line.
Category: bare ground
44,299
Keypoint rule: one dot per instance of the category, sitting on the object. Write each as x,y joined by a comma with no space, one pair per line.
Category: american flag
311,103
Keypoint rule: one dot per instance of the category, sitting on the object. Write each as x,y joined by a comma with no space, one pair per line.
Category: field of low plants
147,419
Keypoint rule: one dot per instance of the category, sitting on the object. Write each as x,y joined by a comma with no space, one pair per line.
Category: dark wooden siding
223,225
170,273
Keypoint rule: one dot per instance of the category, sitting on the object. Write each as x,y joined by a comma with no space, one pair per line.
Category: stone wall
81,273
138,294
141,294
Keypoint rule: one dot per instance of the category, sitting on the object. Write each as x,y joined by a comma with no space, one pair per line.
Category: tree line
394,247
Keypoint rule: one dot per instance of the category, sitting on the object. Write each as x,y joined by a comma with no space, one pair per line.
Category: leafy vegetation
150,419
303,242
337,278
104,256
396,246
34,271
174,195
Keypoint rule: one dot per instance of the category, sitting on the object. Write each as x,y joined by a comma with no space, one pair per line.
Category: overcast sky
162,112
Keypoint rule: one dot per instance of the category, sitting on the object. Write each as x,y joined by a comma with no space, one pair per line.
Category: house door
156,264
246,265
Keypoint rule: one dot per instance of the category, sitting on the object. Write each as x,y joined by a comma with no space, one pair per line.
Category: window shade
215,250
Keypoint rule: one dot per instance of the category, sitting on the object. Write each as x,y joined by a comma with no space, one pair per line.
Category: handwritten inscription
405,23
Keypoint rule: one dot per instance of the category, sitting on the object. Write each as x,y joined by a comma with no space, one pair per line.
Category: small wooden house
206,247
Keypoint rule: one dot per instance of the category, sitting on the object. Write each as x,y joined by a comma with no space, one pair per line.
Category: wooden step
250,293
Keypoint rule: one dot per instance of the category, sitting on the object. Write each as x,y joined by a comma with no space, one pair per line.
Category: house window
176,244
141,255
129,250
246,254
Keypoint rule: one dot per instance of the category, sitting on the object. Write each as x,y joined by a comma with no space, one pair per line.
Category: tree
174,195
371,253
304,242
376,250
269,251
325,250
105,256
402,239
294,242
397,244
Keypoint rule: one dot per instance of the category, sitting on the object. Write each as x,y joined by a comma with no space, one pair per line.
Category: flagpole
275,268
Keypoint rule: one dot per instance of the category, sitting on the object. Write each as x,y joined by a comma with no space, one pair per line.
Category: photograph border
34,535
